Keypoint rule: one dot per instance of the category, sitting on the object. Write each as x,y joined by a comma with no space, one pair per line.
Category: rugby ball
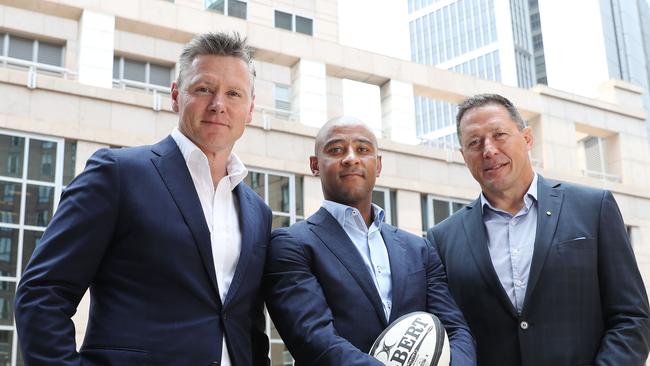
415,339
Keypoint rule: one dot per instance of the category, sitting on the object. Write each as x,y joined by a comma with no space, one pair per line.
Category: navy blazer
324,303
585,302
131,228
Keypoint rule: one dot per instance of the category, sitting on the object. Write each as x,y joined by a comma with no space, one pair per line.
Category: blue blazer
585,302
131,228
324,303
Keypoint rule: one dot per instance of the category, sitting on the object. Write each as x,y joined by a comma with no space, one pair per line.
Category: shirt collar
529,198
234,167
342,213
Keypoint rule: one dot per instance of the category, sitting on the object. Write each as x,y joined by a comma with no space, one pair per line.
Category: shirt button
379,268
523,325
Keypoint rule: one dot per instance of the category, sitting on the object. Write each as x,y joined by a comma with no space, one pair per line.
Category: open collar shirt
369,244
219,206
511,241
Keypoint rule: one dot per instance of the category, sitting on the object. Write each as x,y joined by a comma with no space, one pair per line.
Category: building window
233,8
435,209
282,96
281,191
386,199
30,187
294,23
33,51
593,155
129,73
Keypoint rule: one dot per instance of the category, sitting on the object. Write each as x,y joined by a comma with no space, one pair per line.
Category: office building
76,76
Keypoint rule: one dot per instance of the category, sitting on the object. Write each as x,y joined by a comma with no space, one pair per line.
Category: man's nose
489,148
216,104
350,157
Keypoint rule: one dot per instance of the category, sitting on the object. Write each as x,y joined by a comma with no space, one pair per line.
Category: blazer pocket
113,356
579,243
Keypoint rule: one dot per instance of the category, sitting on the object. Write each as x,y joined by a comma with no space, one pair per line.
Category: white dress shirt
220,210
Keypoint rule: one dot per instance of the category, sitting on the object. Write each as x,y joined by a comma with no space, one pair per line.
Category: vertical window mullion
35,51
147,72
292,199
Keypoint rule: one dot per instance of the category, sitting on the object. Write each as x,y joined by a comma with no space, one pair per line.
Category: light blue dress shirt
511,241
369,243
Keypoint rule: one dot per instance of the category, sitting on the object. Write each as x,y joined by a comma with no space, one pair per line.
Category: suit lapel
332,235
549,203
173,170
477,241
248,238
398,267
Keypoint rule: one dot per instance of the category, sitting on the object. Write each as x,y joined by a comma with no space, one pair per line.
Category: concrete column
309,87
409,211
313,195
85,150
398,112
96,43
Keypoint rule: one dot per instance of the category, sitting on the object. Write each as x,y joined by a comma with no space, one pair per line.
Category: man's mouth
494,167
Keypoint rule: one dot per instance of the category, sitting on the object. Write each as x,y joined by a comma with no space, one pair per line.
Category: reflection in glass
42,160
7,291
8,251
280,221
299,197
279,193
31,239
440,211
69,161
10,202
256,182
283,20
456,206
12,150
40,203
6,340
379,199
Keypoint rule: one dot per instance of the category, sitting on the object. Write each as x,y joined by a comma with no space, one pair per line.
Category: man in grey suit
543,271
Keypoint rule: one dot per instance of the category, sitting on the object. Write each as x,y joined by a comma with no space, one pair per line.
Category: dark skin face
348,164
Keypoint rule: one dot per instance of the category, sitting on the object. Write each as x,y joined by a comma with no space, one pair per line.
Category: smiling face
347,162
496,151
214,102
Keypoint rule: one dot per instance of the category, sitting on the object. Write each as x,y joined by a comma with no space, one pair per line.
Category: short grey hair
480,100
217,44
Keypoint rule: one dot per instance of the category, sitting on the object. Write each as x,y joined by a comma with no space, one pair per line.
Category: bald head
344,121
347,161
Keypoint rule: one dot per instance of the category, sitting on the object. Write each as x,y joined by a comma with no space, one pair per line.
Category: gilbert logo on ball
415,339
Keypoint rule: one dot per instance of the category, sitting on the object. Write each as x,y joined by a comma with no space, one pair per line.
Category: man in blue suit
543,271
167,237
335,281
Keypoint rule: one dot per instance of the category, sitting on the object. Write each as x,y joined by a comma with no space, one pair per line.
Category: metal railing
37,67
608,177
270,114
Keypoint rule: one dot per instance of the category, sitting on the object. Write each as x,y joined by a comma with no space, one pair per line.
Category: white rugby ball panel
415,339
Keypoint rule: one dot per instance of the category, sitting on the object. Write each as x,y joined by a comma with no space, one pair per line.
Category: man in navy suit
167,237
335,281
543,271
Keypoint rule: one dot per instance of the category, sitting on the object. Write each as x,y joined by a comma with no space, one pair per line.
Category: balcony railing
37,67
608,177
270,114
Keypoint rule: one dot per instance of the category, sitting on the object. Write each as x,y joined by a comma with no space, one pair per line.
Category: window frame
226,8
293,22
124,83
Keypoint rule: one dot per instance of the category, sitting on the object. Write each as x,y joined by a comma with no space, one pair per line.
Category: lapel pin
548,213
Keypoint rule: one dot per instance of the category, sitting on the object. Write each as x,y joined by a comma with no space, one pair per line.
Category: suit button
224,316
523,325
215,363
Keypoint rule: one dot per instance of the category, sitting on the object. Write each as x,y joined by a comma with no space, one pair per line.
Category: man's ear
378,165
313,165
175,97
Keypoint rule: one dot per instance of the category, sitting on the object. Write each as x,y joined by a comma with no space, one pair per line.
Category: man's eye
334,150
202,89
234,93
